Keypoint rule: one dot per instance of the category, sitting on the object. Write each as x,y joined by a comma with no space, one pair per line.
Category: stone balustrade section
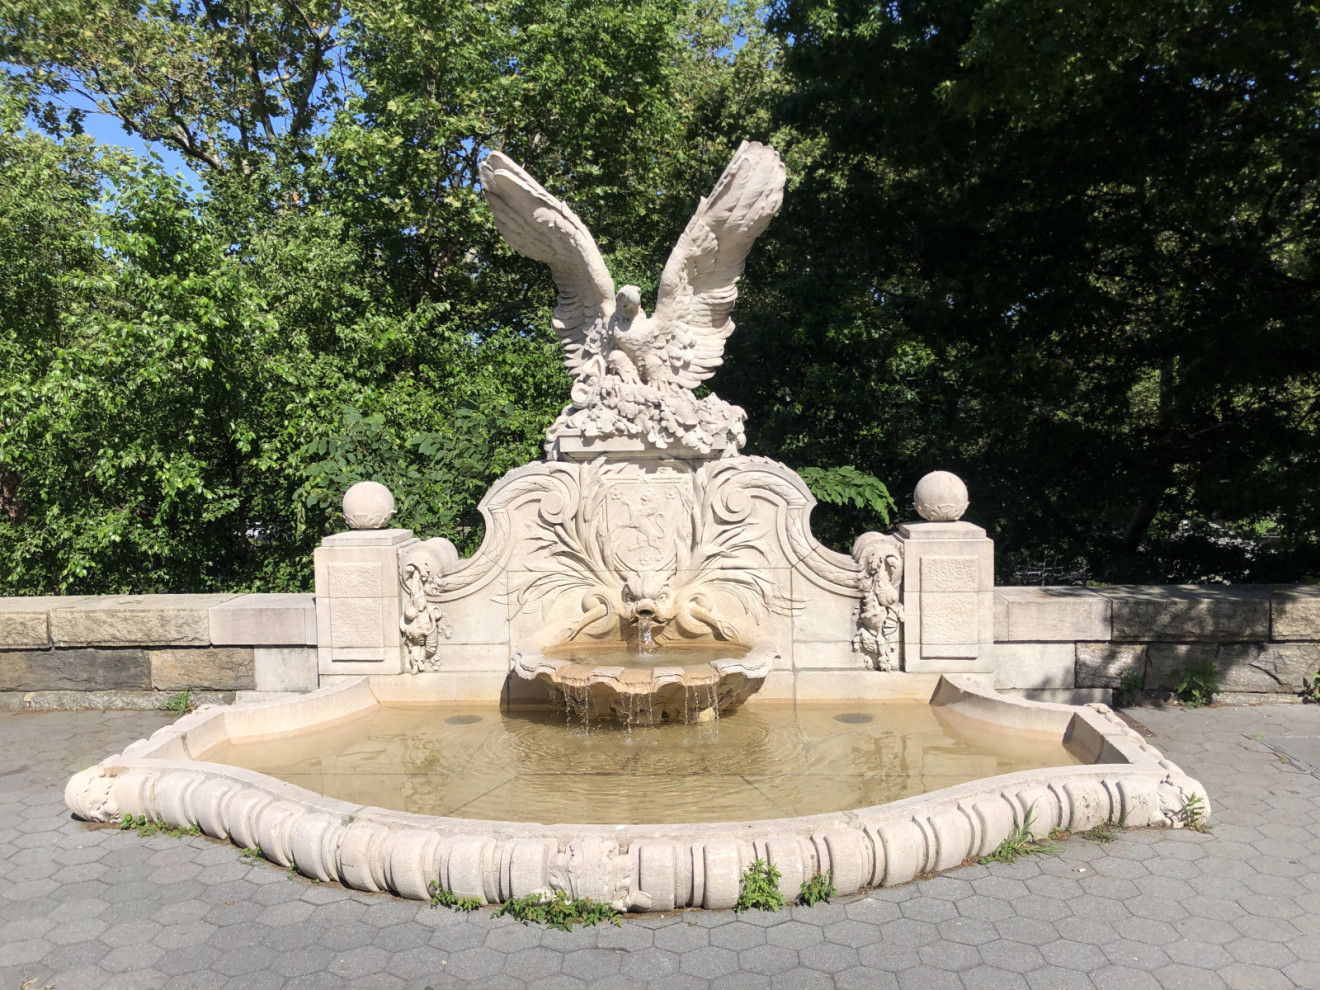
1050,643
129,650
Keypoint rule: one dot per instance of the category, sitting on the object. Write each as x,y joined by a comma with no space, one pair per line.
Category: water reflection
764,761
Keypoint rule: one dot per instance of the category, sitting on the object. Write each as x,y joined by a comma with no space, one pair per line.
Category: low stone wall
130,651
1077,644
1051,644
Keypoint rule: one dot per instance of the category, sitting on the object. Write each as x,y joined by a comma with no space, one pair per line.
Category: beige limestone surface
135,620
24,623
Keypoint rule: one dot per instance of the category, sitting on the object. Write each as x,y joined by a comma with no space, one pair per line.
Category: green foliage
846,485
1311,688
819,887
559,912
1195,685
189,379
147,827
1131,687
442,897
1104,832
1194,815
1102,320
1019,842
177,704
759,889
253,853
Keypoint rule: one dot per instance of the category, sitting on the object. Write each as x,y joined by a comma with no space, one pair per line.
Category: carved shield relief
650,523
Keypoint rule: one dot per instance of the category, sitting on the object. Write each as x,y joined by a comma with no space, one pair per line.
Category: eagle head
628,302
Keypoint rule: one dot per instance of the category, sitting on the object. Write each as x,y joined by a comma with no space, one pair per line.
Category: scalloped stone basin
633,866
689,684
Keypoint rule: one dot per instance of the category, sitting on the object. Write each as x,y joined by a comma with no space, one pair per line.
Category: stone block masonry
131,651
1264,641
1050,643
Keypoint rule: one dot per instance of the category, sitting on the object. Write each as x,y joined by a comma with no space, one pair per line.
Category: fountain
561,710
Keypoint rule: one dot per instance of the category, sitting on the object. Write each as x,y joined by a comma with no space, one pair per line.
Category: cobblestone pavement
84,907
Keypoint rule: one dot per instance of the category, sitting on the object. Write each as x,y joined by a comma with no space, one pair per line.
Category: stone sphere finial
941,496
368,505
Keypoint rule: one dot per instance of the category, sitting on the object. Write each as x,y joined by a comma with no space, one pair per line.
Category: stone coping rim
635,867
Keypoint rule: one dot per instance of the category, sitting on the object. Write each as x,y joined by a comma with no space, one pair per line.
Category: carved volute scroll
880,613
422,569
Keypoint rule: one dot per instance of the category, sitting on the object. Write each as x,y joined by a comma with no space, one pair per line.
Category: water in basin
768,761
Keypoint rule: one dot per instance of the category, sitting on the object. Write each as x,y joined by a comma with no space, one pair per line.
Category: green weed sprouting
177,704
819,888
1196,684
1194,815
1019,842
558,911
147,827
440,897
760,888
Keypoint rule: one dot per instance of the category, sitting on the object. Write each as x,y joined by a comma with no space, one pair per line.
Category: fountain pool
768,761
418,761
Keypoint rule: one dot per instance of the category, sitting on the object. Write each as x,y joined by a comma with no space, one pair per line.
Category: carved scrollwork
880,613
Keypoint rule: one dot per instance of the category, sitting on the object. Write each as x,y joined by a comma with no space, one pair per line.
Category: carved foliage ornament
633,374
880,613
683,552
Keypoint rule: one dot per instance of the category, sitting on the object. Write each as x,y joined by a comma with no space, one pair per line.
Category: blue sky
106,129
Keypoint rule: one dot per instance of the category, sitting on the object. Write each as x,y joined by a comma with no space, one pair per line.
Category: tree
1067,252
191,381
228,85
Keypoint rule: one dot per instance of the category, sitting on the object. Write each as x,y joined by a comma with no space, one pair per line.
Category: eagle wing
700,282
545,229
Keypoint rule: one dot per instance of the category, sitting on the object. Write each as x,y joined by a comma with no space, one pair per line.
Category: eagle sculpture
633,374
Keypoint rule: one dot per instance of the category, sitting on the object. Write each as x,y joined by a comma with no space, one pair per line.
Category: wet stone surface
90,906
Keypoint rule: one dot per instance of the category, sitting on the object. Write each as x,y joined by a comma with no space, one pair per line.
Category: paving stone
711,962
1240,976
742,981
593,964
926,978
532,963
992,978
968,931
949,956
739,937
802,979
889,958
795,935
1150,909
1053,978
472,964
769,959
304,960
654,964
